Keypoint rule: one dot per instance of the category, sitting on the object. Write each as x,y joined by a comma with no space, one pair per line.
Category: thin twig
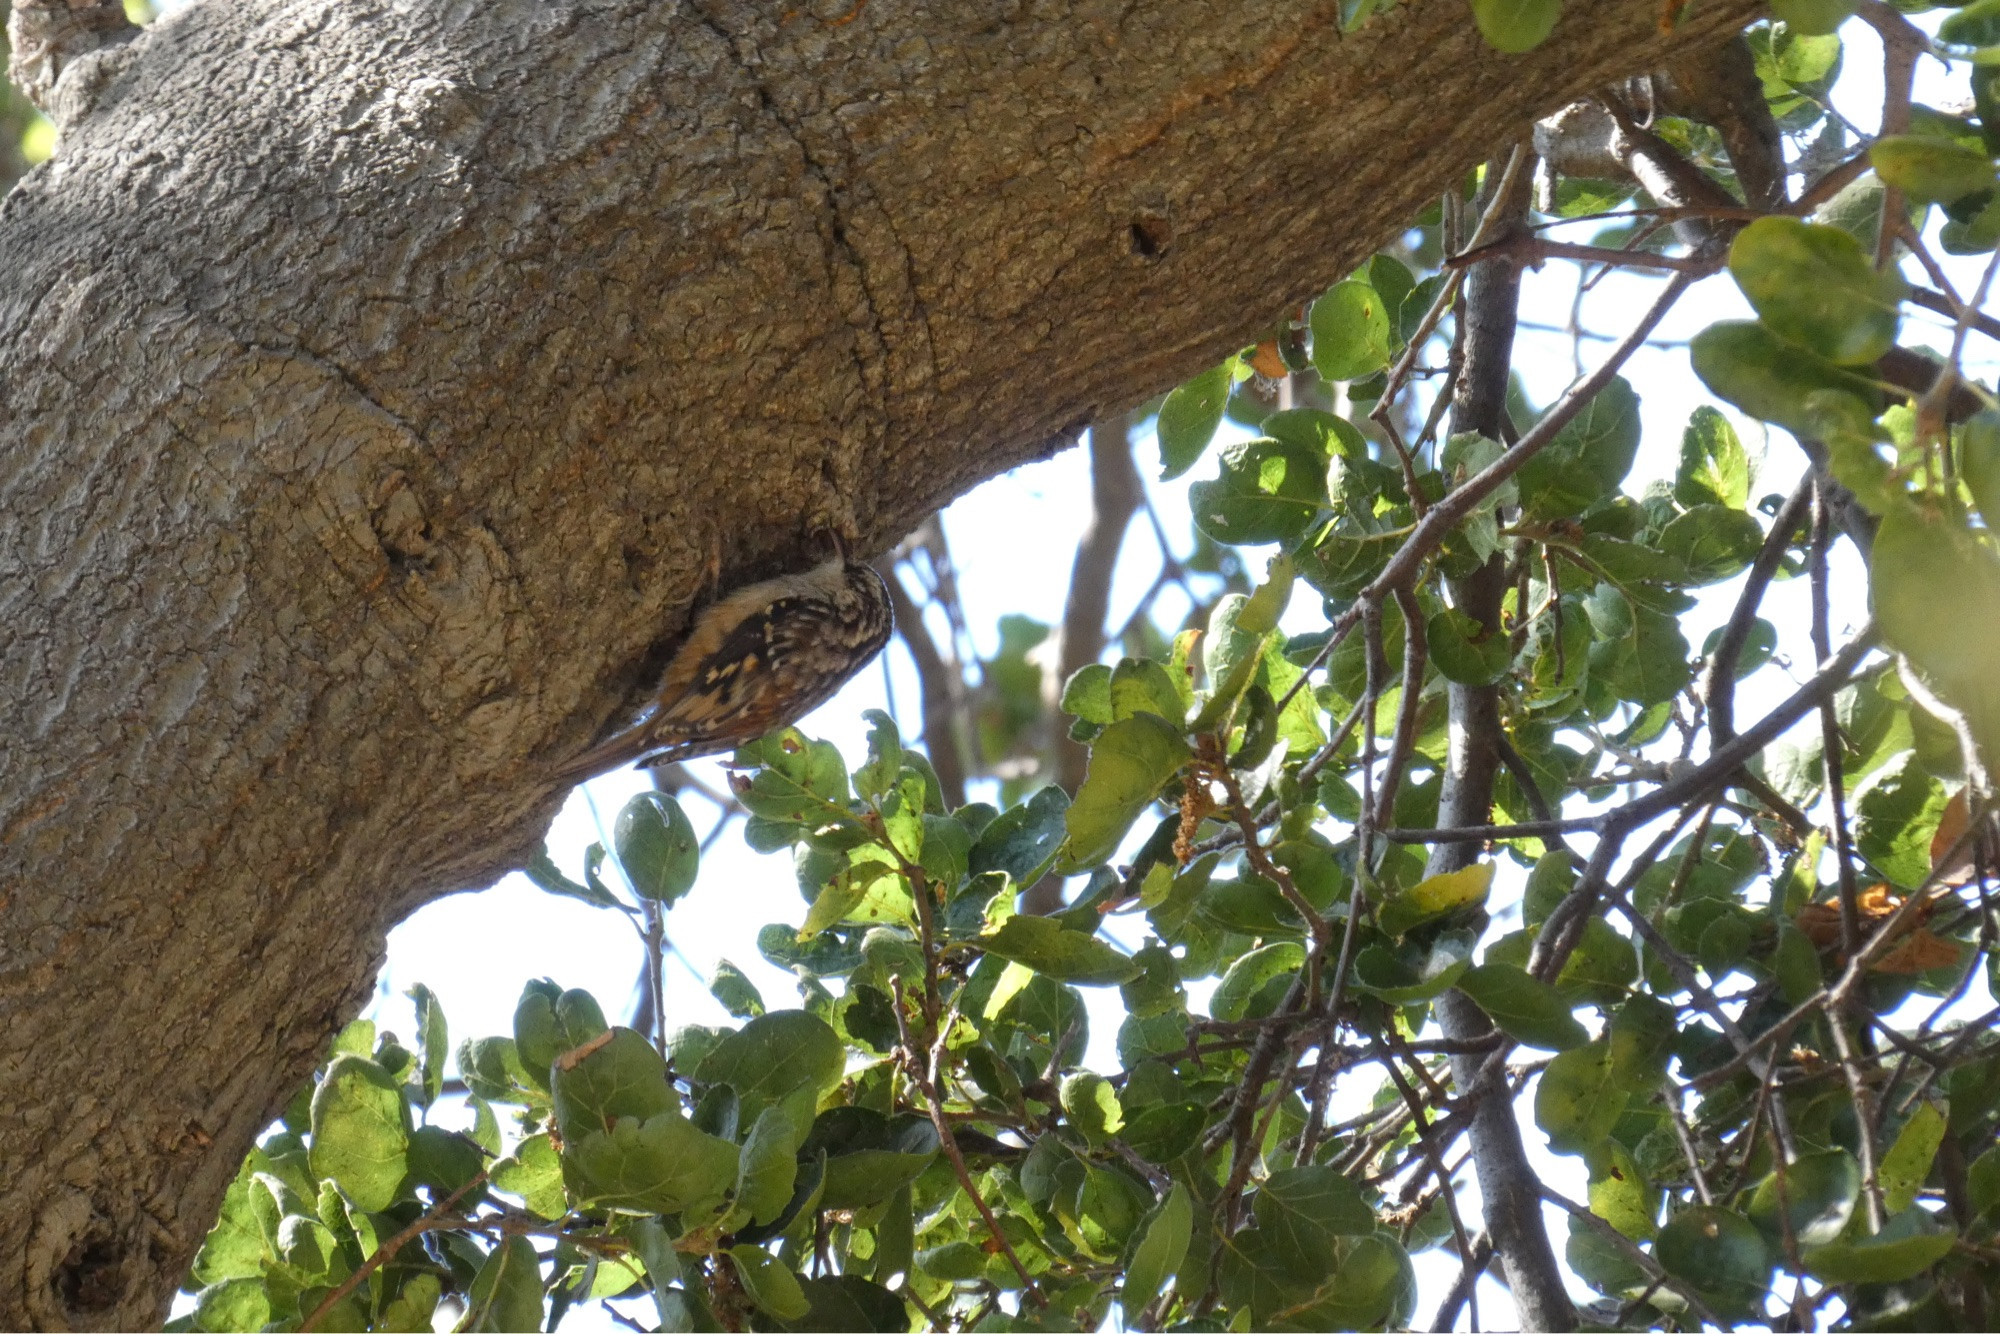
436,1217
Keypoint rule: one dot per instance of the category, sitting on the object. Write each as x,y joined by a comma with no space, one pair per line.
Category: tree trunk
378,378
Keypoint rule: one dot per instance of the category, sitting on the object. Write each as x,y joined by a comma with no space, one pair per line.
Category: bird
757,659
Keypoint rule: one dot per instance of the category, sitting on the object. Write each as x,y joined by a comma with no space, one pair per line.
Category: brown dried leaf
1266,361
1918,952
1917,948
1951,826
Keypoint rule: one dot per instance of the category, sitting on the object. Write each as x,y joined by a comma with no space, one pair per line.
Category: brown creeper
758,659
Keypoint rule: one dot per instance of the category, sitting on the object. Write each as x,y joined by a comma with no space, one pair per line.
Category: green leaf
1515,26
1239,628
1304,1211
1417,971
1156,987
1266,491
895,1238
622,1076
772,1058
846,892
1719,1254
1055,951
1091,1104
850,1302
1929,169
1350,332
1935,591
884,766
1641,1032
236,1247
1896,813
1467,652
1602,967
1247,976
1189,417
507,1292
769,1165
444,1160
1714,468
1908,1244
433,1041
1163,1244
1366,1283
1130,761
1348,553
657,847
1578,1100
492,1070
1758,646
1086,696
664,1164
548,1022
770,1284
800,780
1140,685
1248,904
1904,1167
1434,897
735,992
1324,434
1022,840
869,1157
1548,884
1819,1192
1979,463
1712,541
233,1304
1619,1191
360,1131
411,1310
1646,662
1528,1011
1813,286
1588,459
1973,27
1744,363
1813,18
544,875
534,1173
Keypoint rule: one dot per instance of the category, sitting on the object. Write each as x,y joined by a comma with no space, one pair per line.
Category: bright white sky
476,950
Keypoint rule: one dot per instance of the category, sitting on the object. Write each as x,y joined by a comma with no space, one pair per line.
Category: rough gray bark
1509,1190
375,379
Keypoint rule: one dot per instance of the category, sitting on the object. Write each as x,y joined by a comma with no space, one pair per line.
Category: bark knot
76,1264
53,38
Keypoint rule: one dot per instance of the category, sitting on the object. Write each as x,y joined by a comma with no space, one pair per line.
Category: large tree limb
378,378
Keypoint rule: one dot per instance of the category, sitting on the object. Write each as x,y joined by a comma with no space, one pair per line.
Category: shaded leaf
1813,285
1908,1244
1526,1010
662,1165
1818,1195
774,1057
1189,417
1720,1255
1266,491
1163,1244
657,847
1129,763
1052,949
